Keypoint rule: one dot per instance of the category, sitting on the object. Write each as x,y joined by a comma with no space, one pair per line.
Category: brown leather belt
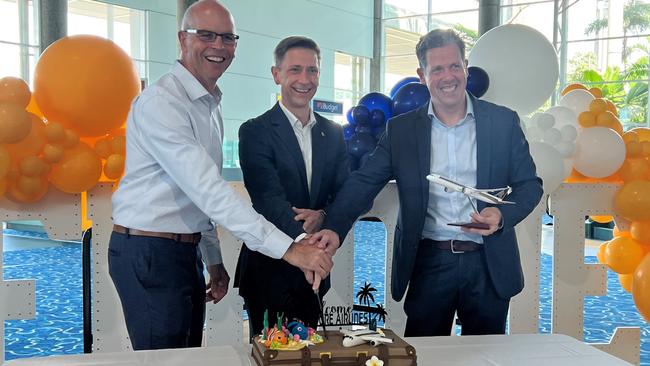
181,238
456,246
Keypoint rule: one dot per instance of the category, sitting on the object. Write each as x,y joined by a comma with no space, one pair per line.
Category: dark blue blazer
275,177
404,152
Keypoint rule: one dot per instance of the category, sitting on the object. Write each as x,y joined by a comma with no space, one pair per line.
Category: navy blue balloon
360,115
410,97
377,118
349,116
361,143
348,131
401,83
478,81
363,129
379,101
378,131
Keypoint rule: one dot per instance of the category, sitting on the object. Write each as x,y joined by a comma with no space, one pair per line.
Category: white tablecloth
511,350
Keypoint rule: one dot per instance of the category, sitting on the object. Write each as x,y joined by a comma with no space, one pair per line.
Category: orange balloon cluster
84,86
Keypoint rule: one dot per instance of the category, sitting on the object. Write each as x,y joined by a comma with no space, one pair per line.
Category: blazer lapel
483,152
284,131
319,149
423,141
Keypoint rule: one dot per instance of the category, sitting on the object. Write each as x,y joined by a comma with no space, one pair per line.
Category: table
509,350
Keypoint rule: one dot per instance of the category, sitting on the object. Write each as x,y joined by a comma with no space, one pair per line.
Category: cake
332,351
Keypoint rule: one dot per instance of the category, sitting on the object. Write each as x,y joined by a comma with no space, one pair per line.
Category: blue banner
325,106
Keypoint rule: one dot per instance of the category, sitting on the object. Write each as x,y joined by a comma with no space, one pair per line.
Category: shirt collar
191,85
293,119
468,112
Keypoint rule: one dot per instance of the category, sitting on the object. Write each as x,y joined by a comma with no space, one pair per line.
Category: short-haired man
473,272
293,162
173,191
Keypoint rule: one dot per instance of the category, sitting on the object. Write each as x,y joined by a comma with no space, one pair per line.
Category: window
19,44
351,81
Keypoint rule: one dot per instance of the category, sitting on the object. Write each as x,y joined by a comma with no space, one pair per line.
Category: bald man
172,195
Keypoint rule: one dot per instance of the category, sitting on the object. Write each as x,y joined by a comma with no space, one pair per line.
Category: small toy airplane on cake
491,195
353,338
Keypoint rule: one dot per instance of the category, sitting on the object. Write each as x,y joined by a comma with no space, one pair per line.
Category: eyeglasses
210,36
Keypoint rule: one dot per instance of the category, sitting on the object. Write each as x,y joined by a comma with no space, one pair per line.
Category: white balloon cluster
552,137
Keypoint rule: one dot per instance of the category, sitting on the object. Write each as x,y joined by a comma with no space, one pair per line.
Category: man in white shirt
293,161
173,193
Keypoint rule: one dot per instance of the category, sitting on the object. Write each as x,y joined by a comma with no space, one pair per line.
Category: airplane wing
375,341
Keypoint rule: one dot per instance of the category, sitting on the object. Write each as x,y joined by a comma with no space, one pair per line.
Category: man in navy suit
293,161
468,271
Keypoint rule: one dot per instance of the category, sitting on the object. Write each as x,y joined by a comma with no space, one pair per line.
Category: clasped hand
313,255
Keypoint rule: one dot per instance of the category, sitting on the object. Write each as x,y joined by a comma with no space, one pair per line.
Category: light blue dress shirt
453,155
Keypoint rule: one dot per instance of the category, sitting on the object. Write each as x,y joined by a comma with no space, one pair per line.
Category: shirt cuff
275,244
299,237
210,248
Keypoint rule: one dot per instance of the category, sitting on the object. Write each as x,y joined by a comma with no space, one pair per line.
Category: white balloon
600,152
550,165
552,136
545,121
568,167
577,100
563,116
569,133
534,134
566,149
522,66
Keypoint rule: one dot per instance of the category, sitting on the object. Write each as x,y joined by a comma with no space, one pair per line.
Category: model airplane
492,195
353,338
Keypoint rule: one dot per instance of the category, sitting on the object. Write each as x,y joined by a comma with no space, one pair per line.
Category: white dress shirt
172,181
453,155
303,135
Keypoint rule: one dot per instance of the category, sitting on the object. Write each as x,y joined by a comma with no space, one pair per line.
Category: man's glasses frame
210,36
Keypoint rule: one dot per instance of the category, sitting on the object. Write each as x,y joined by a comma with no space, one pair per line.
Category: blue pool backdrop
58,326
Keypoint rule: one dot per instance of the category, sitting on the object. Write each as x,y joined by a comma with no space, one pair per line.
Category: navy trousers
162,288
443,283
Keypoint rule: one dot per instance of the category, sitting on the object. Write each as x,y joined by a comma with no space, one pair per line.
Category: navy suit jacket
404,152
275,177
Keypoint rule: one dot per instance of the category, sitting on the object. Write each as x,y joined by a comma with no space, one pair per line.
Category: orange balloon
78,171
71,139
33,167
598,105
30,185
114,166
645,149
570,87
633,149
601,253
104,147
632,200
616,232
602,219
634,169
3,187
642,132
587,119
14,91
52,153
608,119
641,288
32,145
623,254
5,162
33,108
596,92
640,231
14,123
612,107
55,132
70,90
626,281
15,193
630,136
119,145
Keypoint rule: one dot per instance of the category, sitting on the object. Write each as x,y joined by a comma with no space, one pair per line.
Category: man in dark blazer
473,272
293,162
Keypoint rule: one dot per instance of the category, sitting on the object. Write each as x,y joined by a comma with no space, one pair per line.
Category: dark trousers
161,285
443,283
299,304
